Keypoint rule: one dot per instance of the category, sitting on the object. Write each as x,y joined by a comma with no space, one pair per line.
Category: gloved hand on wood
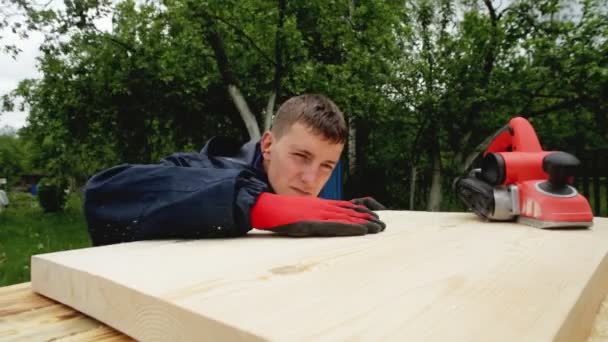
312,216
369,203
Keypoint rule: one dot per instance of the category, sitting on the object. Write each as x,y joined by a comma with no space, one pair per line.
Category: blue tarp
333,187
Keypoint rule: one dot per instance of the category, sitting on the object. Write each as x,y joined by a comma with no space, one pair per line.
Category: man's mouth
300,192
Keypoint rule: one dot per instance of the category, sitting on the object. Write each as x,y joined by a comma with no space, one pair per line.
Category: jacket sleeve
164,201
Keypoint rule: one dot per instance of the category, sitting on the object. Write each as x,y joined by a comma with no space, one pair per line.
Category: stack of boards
428,277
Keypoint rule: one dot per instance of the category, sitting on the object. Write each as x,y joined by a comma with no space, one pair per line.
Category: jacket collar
248,153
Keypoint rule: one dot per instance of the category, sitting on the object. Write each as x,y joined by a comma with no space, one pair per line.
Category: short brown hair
316,111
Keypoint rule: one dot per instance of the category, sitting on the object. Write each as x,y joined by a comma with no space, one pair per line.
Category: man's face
300,162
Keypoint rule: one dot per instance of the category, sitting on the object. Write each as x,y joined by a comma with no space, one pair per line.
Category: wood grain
25,316
429,276
28,300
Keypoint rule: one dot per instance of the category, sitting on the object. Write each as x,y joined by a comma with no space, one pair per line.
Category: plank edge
70,294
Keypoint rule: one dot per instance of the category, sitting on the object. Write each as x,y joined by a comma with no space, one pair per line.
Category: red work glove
312,216
369,203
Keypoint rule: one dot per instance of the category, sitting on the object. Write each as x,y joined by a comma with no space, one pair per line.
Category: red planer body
519,181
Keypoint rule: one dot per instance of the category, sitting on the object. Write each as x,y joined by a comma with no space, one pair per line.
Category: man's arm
139,202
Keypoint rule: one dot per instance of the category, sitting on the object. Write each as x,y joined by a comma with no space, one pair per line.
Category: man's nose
309,175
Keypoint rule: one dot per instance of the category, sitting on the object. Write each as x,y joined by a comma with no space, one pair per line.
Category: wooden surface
430,276
26,316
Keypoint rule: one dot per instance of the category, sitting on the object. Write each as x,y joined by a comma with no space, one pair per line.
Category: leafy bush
11,158
52,194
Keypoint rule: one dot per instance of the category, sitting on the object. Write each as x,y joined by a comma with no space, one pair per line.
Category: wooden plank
429,276
599,332
28,300
26,316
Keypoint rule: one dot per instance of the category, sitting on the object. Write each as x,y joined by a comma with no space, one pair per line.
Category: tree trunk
413,186
352,146
248,118
215,40
269,111
459,157
434,202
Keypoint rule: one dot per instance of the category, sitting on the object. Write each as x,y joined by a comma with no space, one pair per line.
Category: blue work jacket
187,195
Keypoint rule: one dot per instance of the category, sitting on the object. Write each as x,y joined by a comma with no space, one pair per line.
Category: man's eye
328,167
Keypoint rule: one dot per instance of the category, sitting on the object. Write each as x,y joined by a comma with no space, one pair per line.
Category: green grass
25,230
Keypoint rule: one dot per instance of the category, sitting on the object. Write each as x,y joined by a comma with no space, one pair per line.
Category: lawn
25,230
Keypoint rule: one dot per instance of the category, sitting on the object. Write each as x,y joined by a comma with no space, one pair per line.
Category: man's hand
369,203
312,216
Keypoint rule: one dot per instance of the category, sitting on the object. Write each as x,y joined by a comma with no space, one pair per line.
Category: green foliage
52,194
12,158
423,82
466,76
27,230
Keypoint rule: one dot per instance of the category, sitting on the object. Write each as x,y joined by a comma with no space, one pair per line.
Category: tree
471,72
422,82
12,158
20,17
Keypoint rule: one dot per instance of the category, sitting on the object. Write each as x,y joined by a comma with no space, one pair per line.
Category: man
227,189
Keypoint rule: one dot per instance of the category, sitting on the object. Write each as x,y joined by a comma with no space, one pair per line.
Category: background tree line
422,82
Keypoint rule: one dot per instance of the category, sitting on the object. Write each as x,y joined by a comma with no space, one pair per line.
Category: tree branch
215,40
490,56
114,40
278,67
488,68
566,104
278,49
242,33
492,11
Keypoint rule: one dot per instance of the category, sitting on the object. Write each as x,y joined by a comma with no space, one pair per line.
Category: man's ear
266,143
